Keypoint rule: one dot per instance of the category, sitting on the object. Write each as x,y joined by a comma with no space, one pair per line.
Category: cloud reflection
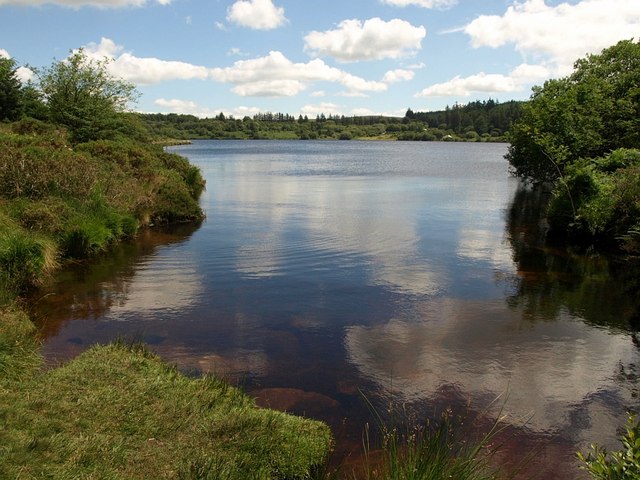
486,350
336,223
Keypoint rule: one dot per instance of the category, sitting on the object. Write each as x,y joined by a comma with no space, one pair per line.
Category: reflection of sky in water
333,266
399,220
487,351
162,286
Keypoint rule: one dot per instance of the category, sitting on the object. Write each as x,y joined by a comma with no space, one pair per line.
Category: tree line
475,121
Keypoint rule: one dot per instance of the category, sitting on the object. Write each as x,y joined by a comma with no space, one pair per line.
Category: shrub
173,201
599,199
620,465
24,257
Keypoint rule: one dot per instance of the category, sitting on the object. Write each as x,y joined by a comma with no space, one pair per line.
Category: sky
307,57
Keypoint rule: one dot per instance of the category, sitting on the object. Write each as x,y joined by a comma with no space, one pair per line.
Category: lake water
410,273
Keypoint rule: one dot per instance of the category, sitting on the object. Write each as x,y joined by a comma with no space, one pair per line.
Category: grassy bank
118,412
62,200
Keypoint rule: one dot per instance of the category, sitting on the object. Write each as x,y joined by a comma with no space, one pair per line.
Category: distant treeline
481,117
476,121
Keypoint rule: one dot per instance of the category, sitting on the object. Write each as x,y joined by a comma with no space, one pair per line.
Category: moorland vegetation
79,173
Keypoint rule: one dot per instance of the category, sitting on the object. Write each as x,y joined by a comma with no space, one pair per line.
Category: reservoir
409,274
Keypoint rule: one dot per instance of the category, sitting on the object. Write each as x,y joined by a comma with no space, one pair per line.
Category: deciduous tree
84,97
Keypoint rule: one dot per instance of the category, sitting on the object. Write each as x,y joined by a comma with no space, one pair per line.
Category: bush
599,199
173,201
620,465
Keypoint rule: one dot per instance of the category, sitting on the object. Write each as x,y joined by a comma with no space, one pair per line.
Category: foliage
488,117
81,95
58,200
599,199
9,90
477,121
620,465
25,258
591,112
118,412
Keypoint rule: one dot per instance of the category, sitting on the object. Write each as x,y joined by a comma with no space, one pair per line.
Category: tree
9,90
587,114
82,95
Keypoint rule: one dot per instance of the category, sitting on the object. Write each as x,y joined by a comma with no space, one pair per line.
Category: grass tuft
440,450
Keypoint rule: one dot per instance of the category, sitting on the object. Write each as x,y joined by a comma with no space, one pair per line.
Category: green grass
19,357
441,450
119,412
116,411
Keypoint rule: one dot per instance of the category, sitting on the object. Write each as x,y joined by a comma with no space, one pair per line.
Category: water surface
412,273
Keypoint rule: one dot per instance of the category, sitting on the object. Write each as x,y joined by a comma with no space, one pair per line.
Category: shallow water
410,273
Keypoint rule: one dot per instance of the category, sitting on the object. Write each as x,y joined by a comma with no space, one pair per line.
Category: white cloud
530,73
175,105
521,77
463,87
399,75
373,39
324,107
367,112
23,74
417,66
533,27
318,93
84,3
143,71
256,14
276,76
422,3
271,76
236,52
189,107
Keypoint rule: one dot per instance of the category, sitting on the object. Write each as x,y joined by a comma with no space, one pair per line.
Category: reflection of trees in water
602,290
89,289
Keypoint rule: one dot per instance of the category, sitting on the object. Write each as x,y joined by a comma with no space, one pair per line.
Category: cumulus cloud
273,75
373,39
325,107
481,82
399,75
84,3
532,27
366,112
189,107
23,74
256,14
422,3
276,76
516,81
142,71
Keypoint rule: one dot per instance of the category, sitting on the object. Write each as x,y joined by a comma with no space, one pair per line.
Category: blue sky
348,57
